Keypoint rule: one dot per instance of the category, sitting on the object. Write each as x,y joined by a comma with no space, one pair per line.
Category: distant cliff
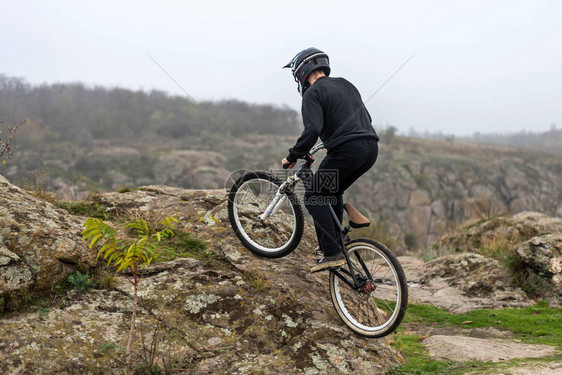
423,188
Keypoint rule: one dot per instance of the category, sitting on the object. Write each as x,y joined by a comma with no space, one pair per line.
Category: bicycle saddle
356,219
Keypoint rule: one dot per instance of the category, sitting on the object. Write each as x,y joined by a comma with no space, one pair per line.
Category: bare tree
5,144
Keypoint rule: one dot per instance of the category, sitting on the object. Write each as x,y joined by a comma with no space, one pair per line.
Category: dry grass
105,279
378,231
499,244
258,280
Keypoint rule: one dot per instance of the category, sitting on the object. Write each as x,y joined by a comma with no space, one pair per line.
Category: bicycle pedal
318,252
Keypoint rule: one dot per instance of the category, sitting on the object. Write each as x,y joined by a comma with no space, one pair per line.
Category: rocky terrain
39,246
529,242
227,311
238,315
461,283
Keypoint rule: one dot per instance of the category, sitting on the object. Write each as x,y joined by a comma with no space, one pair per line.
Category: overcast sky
487,66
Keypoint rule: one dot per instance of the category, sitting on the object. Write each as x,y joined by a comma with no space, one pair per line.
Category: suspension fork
280,196
291,181
275,204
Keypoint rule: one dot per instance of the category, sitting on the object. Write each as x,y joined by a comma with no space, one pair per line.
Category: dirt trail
455,348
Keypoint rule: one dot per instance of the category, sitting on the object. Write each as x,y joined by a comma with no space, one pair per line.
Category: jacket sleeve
313,119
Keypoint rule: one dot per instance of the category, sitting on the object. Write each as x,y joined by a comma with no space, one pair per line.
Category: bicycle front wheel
281,232
377,307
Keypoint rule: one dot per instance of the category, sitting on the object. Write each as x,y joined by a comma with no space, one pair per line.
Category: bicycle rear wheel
281,232
379,306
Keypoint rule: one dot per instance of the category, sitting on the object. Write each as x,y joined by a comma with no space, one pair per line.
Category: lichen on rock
540,266
40,244
214,317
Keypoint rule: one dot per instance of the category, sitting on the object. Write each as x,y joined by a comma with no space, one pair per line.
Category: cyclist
333,110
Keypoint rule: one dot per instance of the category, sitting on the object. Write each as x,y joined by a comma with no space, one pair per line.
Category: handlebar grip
286,165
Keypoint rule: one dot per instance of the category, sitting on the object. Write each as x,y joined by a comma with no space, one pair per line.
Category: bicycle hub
368,287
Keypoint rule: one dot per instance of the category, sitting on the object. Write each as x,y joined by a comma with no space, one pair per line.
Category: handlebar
308,158
316,148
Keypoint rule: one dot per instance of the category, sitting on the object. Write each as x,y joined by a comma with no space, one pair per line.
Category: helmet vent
301,66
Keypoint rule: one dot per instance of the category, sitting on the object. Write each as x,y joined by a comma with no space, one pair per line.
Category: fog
480,66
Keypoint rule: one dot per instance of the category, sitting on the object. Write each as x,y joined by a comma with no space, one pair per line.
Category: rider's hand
285,162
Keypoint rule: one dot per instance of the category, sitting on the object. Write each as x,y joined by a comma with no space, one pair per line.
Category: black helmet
304,63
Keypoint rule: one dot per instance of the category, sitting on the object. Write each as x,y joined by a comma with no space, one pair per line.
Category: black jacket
332,109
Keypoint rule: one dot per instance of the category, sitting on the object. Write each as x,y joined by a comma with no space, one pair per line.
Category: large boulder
529,243
516,228
540,267
475,275
39,243
461,283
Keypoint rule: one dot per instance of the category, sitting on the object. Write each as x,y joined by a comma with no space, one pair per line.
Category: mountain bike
369,293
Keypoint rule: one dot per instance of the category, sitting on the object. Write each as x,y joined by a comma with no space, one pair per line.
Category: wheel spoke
369,321
380,263
279,233
377,308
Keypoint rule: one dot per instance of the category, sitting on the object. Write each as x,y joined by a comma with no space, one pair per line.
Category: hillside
217,311
417,190
80,140
221,309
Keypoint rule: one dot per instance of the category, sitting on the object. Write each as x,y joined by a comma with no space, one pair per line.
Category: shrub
86,209
105,279
80,281
410,240
134,254
185,246
109,347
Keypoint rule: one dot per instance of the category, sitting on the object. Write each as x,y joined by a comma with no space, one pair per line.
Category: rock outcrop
228,312
518,227
39,243
532,243
462,348
462,282
540,266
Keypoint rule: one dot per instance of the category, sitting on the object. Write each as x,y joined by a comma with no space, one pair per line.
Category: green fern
135,254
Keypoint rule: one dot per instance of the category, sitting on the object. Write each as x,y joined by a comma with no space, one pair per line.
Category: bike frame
280,198
291,181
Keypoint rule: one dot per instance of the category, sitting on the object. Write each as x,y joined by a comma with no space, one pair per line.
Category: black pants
340,168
